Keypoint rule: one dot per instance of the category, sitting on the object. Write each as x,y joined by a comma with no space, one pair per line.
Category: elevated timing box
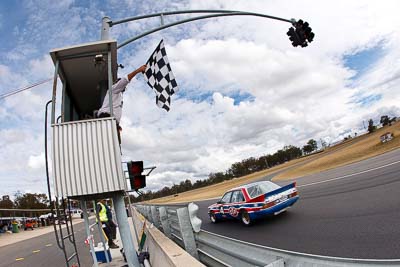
86,154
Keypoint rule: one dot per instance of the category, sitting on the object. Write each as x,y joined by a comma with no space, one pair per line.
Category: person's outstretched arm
138,70
120,86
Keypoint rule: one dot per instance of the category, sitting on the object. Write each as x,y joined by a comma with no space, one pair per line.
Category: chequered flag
159,76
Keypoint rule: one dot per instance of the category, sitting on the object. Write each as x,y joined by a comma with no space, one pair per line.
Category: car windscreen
226,198
261,188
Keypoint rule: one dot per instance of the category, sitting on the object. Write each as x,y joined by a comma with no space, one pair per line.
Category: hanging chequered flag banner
159,76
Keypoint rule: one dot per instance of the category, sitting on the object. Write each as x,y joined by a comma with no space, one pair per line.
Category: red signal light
135,168
137,180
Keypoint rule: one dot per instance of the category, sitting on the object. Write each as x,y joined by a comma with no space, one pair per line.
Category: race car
253,201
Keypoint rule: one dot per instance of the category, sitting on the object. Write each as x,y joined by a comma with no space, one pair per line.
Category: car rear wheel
213,218
246,220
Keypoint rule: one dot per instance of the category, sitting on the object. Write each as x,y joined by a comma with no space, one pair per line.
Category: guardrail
180,223
163,251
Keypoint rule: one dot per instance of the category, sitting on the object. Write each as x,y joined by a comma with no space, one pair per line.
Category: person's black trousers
113,228
107,231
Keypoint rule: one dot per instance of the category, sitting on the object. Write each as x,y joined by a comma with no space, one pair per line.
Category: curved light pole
107,23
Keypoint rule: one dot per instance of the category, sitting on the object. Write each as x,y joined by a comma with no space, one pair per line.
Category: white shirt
117,89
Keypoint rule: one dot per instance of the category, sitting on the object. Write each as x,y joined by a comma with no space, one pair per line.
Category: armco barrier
163,252
179,222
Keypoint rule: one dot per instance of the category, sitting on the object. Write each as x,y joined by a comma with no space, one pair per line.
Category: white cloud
36,162
43,67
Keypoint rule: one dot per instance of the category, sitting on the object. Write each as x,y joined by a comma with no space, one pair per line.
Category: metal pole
133,221
239,13
64,91
124,230
105,28
110,81
162,19
105,35
211,11
53,100
86,220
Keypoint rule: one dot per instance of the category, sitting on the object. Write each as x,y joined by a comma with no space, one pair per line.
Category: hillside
361,148
352,150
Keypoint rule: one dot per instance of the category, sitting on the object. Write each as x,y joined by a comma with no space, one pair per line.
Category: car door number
233,211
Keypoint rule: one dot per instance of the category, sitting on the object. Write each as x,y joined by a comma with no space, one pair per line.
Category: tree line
237,169
384,121
23,201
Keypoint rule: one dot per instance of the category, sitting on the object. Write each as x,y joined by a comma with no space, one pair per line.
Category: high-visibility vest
102,213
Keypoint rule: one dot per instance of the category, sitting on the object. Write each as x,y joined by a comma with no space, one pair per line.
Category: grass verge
366,147
347,152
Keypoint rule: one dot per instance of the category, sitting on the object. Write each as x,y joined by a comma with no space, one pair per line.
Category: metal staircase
65,237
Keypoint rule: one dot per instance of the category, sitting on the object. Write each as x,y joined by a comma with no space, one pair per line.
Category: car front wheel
246,220
213,218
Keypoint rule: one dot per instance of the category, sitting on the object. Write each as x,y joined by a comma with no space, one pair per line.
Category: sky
244,91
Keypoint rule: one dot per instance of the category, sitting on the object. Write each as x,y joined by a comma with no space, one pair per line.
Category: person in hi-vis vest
102,211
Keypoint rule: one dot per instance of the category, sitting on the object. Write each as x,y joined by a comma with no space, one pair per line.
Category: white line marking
348,175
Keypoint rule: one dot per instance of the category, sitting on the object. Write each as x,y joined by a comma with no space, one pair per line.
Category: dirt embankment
361,148
352,150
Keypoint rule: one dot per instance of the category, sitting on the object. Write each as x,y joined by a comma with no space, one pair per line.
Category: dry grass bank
216,190
344,153
360,149
211,191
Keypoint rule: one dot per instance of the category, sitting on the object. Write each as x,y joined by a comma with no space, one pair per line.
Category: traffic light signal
308,34
136,178
293,37
300,35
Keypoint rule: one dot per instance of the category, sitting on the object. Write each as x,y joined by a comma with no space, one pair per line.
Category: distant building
6,197
386,137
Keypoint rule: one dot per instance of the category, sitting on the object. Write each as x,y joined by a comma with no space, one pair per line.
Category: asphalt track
43,251
351,211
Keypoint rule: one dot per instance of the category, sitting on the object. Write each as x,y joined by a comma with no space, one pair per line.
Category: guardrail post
187,231
148,214
141,210
277,263
164,221
196,221
144,211
154,215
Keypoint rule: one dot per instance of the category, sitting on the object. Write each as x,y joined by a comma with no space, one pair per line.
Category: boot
113,245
